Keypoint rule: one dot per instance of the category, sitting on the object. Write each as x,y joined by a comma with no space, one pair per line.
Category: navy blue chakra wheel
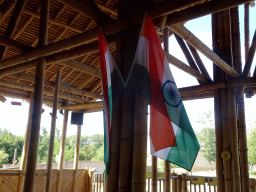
171,94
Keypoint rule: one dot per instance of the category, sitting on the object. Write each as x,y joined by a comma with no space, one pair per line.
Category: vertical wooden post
179,182
174,183
25,147
62,149
14,157
140,145
184,183
237,61
242,144
234,140
167,164
37,101
52,132
246,29
217,108
76,158
154,174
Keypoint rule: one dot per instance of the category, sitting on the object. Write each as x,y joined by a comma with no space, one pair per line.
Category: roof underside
64,22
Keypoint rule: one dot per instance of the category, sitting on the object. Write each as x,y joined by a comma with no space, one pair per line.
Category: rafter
199,62
177,63
46,92
63,87
203,9
13,23
199,45
90,105
7,10
50,24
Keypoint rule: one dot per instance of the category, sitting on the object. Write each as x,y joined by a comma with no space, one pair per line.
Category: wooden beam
187,54
63,87
5,41
174,61
25,146
52,132
199,62
196,43
83,106
47,92
83,68
98,109
250,57
154,174
55,58
62,149
76,157
37,101
7,10
203,9
2,99
246,29
13,23
54,22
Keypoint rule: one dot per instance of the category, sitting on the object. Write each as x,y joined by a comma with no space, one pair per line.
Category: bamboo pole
83,106
52,133
217,109
184,183
250,57
5,41
7,10
82,67
187,54
25,146
154,174
126,144
13,23
112,172
76,158
37,102
140,145
2,99
47,92
62,149
196,43
199,61
64,87
246,30
242,144
9,67
202,9
176,62
234,140
167,164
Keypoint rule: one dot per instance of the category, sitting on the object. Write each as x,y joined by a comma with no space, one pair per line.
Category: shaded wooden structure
40,38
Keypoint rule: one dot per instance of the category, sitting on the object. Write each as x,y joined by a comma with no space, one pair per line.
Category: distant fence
179,183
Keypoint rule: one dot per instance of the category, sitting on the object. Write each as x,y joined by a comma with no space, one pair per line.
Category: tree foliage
90,147
252,147
8,143
206,137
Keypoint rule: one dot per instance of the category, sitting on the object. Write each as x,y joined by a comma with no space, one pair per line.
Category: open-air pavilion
50,55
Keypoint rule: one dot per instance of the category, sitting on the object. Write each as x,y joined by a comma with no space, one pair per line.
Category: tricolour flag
171,135
109,73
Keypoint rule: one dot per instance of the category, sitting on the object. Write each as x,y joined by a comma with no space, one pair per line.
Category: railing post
179,182
174,183
184,183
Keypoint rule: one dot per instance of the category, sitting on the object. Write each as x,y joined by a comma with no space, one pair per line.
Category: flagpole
167,163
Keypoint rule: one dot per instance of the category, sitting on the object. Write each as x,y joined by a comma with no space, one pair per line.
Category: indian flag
109,73
171,135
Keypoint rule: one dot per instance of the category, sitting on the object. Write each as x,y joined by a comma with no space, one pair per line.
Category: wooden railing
179,183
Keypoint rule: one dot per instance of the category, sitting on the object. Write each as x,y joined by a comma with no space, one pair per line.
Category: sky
14,118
